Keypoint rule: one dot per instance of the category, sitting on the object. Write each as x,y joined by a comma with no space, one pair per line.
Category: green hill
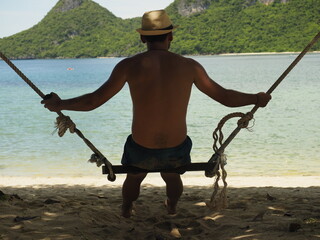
82,28
238,26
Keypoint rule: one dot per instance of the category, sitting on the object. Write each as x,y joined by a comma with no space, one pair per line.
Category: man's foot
171,208
127,210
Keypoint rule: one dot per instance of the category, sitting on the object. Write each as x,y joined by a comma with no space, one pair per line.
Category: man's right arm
92,100
227,97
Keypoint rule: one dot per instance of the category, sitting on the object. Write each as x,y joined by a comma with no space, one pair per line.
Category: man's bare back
160,83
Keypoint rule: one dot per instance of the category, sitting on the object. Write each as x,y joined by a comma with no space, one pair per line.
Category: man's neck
157,46
157,49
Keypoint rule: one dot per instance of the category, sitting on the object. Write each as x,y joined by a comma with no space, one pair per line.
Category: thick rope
218,198
273,87
34,87
218,201
64,123
242,123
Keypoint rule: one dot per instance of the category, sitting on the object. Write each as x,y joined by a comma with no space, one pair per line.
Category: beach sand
262,208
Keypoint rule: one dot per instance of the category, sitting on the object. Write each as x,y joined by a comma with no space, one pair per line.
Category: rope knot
99,159
95,158
63,123
243,122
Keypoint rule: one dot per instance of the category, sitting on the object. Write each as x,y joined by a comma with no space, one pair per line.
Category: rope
64,123
273,87
34,87
219,200
242,123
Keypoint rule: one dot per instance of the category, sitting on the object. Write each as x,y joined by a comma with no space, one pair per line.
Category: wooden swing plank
202,166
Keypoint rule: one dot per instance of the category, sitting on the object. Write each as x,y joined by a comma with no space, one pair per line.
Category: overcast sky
18,15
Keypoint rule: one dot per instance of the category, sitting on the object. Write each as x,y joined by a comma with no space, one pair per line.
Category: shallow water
285,139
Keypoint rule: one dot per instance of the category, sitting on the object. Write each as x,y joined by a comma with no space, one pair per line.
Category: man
160,84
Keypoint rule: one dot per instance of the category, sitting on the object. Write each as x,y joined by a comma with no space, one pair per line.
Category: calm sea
285,139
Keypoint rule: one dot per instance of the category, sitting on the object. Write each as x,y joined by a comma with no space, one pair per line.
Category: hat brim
154,32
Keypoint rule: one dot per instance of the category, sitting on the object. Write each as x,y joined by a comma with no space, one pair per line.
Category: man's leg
174,188
130,192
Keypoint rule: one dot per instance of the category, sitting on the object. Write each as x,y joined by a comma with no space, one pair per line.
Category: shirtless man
160,84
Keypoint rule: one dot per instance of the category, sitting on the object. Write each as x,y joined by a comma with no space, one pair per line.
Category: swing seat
192,167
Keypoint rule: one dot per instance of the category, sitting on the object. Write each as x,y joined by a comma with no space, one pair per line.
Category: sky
19,15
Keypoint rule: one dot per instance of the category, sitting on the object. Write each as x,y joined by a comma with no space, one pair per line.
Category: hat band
166,28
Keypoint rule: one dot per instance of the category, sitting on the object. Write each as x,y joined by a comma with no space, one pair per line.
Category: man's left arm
227,97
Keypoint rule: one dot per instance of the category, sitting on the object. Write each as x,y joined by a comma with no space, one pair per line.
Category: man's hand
52,101
263,99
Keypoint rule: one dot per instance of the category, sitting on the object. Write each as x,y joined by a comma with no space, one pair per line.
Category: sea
283,139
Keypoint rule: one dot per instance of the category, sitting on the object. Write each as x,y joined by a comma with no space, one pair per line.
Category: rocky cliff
67,5
191,7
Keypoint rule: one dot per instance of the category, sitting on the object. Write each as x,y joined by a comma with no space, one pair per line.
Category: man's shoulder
184,59
127,61
132,59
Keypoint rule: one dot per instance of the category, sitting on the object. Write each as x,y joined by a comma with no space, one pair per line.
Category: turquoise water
285,139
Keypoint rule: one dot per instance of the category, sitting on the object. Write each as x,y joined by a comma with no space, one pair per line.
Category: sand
262,208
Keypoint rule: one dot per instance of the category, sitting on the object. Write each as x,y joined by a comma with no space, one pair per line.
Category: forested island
84,29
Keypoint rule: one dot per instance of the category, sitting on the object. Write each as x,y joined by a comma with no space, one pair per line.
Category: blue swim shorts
156,159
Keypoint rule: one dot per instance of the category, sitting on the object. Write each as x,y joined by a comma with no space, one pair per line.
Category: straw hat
155,23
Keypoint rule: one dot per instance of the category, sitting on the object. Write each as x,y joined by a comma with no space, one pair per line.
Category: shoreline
199,55
155,180
264,53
